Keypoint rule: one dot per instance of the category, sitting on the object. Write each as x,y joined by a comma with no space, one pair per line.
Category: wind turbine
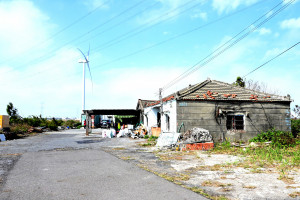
84,61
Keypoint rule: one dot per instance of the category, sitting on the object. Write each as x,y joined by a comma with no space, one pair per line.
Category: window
158,119
235,122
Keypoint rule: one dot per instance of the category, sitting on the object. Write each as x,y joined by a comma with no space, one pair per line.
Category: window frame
233,121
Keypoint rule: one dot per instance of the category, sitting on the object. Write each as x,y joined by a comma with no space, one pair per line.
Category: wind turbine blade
87,62
88,53
83,55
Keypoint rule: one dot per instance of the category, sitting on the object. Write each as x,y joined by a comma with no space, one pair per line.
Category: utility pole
161,105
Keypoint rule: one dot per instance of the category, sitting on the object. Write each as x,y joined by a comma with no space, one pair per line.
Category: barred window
235,122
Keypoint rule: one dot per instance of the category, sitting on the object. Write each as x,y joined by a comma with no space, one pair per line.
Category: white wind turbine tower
84,61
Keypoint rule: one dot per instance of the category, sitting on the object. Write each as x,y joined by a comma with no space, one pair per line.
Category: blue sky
137,47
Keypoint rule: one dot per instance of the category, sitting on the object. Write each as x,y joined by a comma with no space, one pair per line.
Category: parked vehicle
105,124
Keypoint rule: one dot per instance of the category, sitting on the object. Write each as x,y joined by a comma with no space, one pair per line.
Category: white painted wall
169,108
151,113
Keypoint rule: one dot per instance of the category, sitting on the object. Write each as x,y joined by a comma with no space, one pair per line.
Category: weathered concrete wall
211,115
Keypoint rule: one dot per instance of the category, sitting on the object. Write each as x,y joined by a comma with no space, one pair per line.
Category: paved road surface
71,166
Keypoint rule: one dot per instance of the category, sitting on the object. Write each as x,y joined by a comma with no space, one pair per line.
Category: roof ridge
249,90
193,88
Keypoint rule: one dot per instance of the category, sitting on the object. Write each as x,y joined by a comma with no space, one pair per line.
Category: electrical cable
272,59
221,51
174,37
157,18
156,21
64,28
53,51
187,72
119,23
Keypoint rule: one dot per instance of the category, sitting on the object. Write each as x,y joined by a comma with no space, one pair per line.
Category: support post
87,123
161,105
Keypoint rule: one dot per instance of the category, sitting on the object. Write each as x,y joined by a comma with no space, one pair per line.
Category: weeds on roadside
283,153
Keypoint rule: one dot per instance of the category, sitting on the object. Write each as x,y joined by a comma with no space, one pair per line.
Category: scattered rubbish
124,132
109,133
2,137
196,139
196,135
167,139
197,146
36,129
141,131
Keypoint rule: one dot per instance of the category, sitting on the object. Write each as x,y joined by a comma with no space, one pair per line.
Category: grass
174,155
119,148
249,187
294,194
151,141
282,159
126,158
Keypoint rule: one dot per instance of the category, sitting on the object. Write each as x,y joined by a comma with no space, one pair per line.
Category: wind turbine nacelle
82,61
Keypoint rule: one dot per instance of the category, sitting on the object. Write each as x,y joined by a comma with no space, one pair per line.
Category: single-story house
226,110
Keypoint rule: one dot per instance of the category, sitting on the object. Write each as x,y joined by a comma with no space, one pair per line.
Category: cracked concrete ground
216,174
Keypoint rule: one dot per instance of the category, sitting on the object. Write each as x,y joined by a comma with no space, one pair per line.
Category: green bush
71,123
52,125
152,138
20,128
277,137
295,123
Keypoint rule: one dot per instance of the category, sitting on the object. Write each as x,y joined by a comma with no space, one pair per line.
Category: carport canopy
112,112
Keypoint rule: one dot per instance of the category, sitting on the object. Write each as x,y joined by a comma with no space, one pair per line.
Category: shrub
20,128
72,123
277,137
295,124
52,125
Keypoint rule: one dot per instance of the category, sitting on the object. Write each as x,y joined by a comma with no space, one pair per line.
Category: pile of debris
126,131
194,139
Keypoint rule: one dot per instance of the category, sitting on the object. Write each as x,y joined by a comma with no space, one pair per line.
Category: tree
13,113
260,87
239,82
297,111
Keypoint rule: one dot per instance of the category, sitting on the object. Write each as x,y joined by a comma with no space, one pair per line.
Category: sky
138,46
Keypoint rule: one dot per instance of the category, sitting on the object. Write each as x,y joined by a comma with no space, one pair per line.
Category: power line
155,19
51,52
175,37
119,23
272,59
220,51
162,42
64,28
141,29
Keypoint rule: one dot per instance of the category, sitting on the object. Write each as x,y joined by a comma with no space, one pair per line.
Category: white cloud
293,23
230,5
22,26
264,31
287,1
201,15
